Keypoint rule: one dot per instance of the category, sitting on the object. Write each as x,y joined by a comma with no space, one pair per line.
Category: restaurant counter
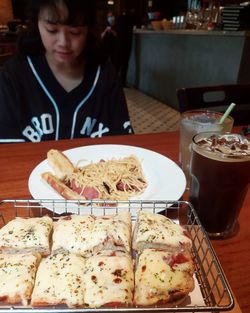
162,61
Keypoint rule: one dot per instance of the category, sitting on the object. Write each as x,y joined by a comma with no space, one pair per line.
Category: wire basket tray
214,289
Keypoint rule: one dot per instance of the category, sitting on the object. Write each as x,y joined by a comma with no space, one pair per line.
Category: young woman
58,85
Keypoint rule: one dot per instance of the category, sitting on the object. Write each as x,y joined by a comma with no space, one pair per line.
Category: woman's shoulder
108,69
15,64
16,72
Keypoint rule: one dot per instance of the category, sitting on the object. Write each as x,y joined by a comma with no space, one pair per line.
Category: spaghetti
109,180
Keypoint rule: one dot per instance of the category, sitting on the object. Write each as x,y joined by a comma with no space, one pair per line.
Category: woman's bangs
64,16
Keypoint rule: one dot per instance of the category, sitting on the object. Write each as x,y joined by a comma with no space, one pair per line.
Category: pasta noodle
111,179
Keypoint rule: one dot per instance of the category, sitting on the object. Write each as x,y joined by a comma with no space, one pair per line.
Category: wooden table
18,160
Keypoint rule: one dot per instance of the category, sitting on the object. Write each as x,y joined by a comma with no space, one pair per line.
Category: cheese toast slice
109,280
24,235
59,281
87,235
17,276
159,232
163,277
116,231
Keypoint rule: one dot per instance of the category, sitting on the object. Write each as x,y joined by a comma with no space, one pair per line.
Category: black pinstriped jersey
35,107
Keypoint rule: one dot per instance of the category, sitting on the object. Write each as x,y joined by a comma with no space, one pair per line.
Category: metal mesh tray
211,282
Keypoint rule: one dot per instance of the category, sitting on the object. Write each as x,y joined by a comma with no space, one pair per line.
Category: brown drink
220,175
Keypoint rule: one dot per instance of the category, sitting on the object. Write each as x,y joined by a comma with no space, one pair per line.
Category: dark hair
80,13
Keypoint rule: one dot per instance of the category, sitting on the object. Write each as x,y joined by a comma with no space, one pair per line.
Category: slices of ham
89,193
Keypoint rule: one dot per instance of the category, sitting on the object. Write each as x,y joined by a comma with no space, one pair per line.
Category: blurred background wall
169,8
6,12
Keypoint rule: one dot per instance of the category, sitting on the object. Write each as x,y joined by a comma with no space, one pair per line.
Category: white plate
166,180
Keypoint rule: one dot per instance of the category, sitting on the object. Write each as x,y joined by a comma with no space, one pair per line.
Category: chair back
218,98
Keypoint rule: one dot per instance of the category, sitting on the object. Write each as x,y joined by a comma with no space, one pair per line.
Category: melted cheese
105,277
73,234
17,275
158,229
26,235
117,228
156,278
60,281
86,235
109,279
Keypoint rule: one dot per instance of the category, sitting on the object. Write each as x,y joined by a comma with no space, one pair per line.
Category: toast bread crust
60,163
60,187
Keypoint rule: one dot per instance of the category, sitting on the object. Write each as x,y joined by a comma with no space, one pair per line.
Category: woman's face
63,43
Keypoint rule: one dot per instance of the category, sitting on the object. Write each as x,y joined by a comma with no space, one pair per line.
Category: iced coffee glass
219,180
196,121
